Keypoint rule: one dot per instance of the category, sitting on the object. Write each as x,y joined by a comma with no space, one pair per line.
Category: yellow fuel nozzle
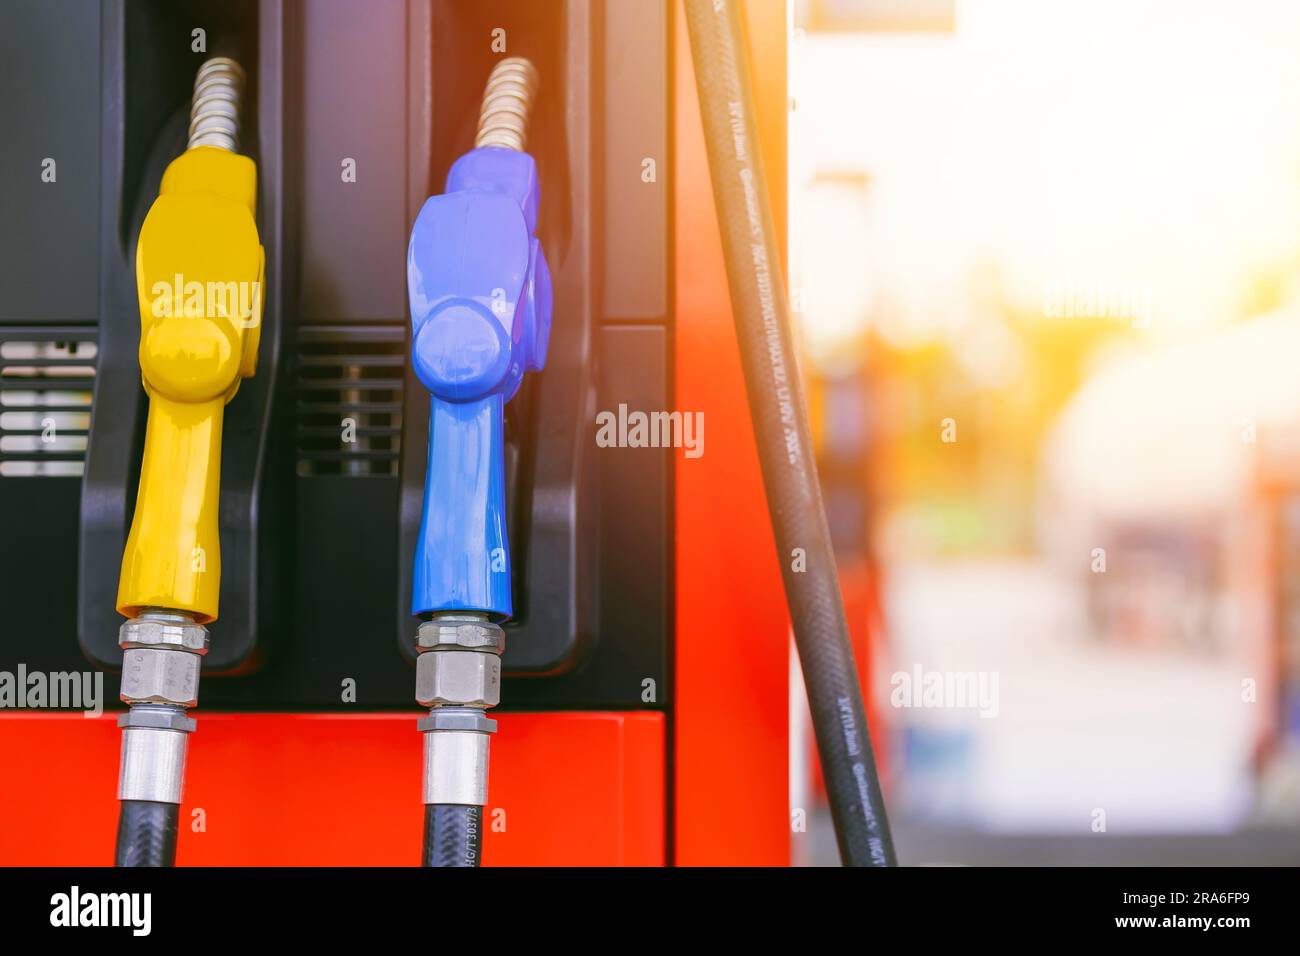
199,269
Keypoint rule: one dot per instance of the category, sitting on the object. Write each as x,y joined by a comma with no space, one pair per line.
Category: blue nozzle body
480,294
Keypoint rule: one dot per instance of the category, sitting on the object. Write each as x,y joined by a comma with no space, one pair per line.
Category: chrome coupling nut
458,679
460,633
172,631
162,654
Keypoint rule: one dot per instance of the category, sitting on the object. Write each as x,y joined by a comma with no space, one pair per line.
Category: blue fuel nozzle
480,294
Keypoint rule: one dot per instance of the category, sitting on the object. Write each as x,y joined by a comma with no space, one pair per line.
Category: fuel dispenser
409,185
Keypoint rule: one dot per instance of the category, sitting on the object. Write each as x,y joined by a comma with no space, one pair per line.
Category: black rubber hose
776,404
146,833
453,834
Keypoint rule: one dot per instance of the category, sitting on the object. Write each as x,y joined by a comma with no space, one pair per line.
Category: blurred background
1045,256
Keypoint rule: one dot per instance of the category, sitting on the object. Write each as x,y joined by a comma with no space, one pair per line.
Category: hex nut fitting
453,718
453,634
160,675
144,632
158,717
458,678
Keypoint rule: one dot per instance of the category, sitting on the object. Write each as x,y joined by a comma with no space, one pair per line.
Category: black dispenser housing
317,534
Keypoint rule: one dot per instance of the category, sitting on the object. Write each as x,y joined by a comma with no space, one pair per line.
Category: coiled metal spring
214,115
503,120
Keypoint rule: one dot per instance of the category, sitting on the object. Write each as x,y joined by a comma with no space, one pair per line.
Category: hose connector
161,655
458,677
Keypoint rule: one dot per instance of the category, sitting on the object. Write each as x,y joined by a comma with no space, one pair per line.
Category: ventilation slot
47,379
350,399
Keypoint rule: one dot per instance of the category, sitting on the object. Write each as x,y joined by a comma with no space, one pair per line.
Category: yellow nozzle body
199,268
